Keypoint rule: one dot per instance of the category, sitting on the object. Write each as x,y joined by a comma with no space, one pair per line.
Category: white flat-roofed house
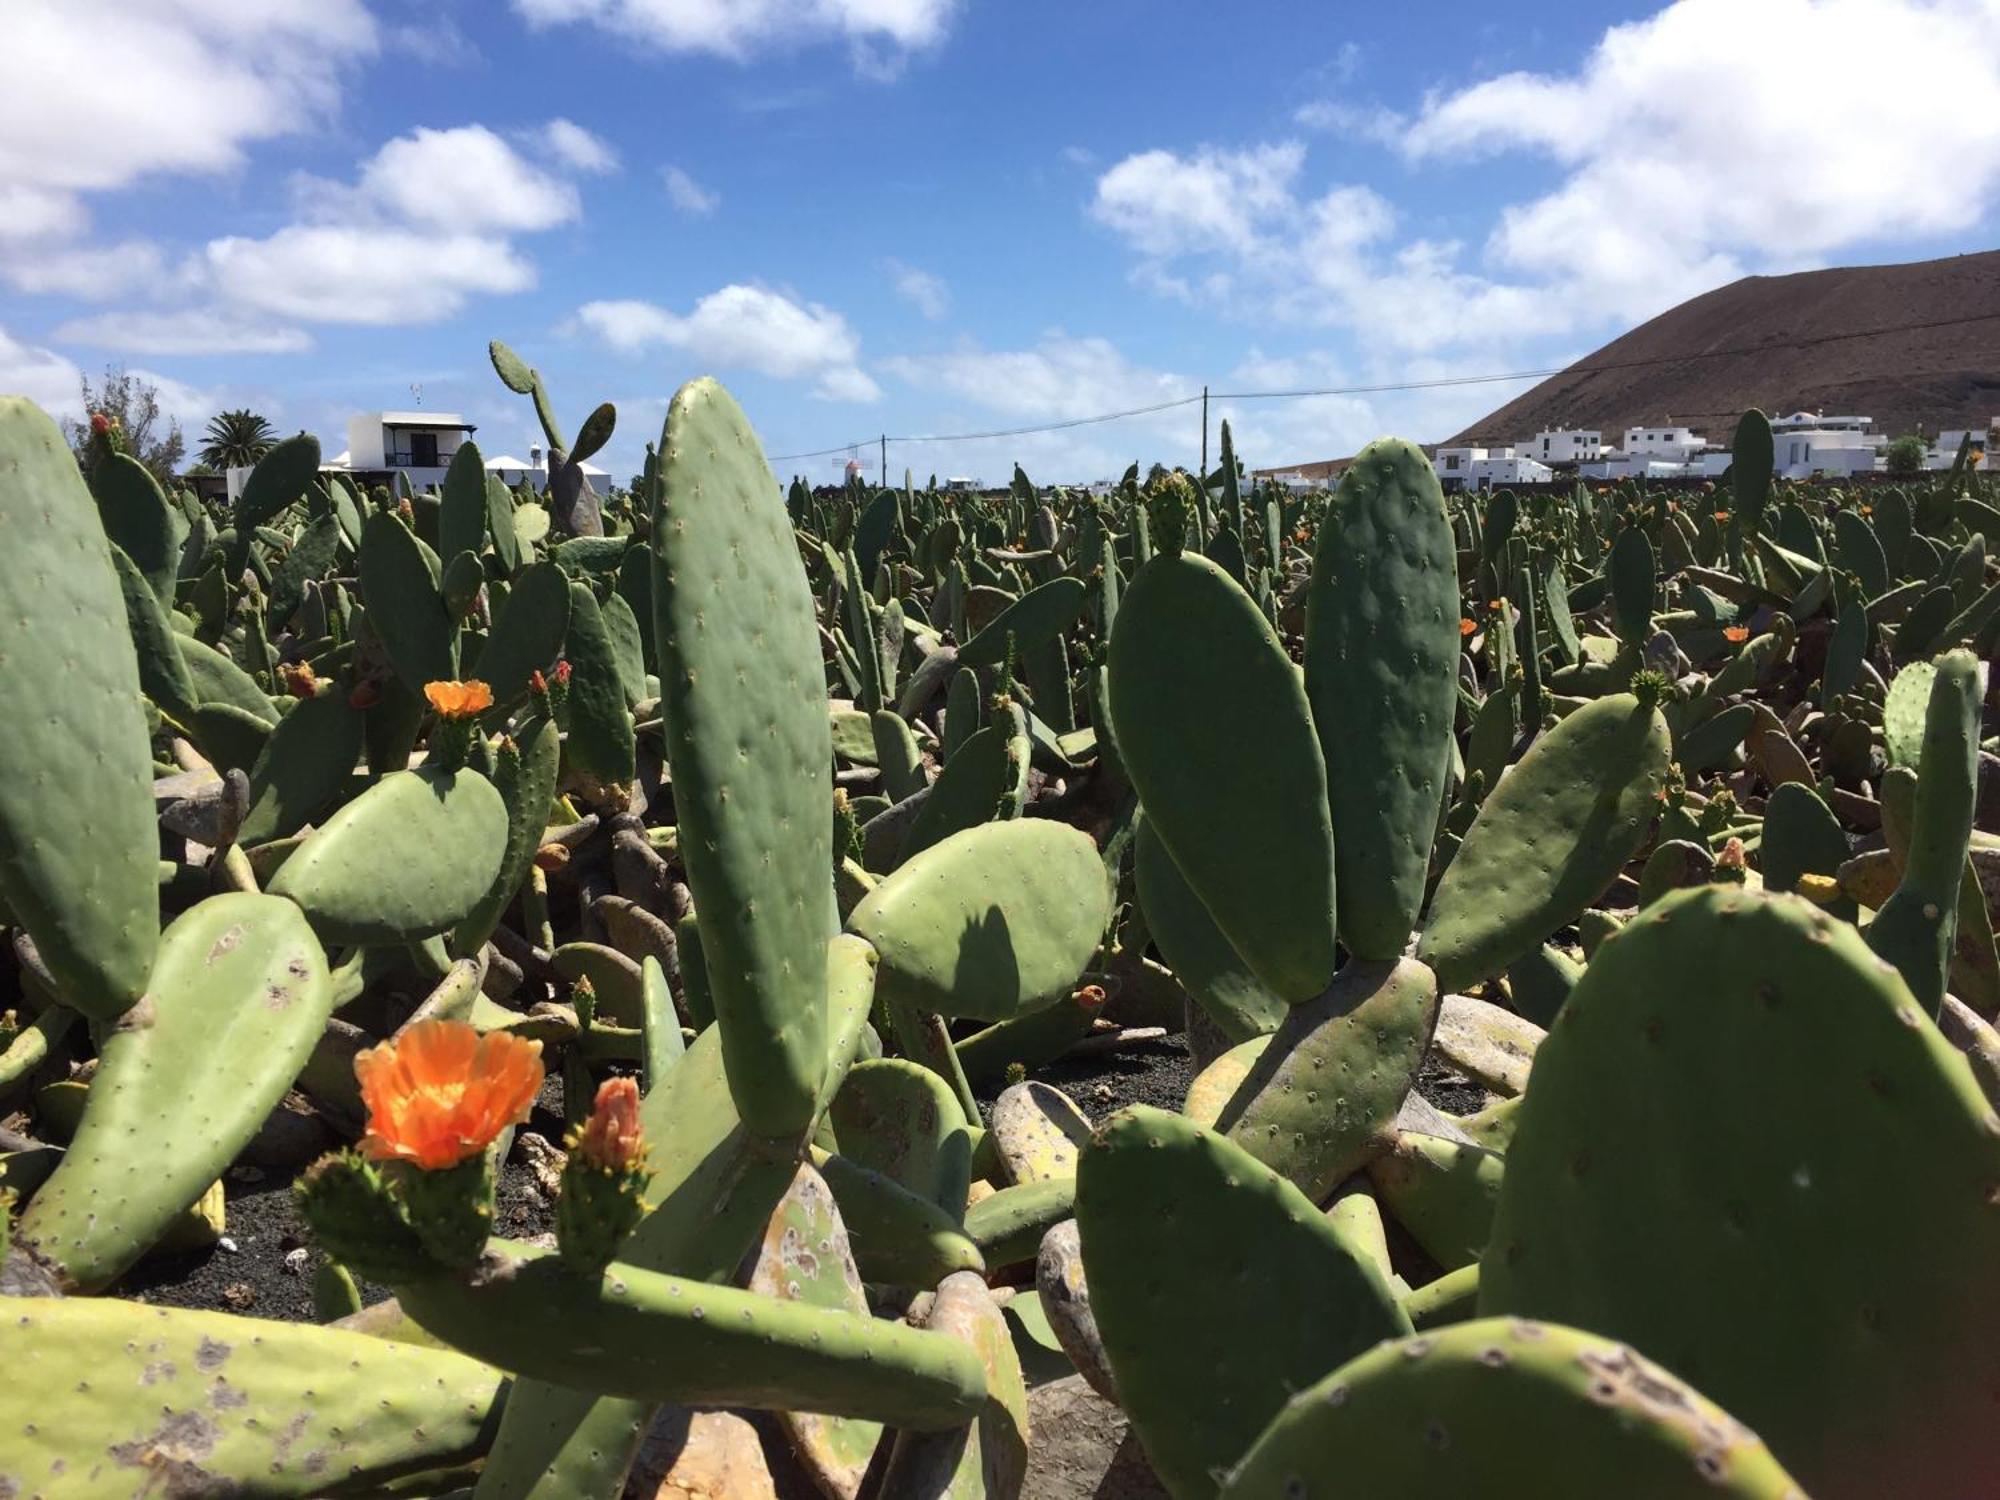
1806,444
1675,444
1562,445
415,444
1454,466
534,473
1488,472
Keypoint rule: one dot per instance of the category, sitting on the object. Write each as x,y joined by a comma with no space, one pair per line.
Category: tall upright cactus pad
1916,927
1381,650
400,585
238,997
750,750
413,855
1257,1296
1748,1152
526,780
1335,1073
990,923
1503,1406
649,1337
1548,839
108,1398
1216,734
78,847
1209,969
1753,458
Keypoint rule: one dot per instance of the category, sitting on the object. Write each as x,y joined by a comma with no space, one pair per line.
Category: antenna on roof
418,392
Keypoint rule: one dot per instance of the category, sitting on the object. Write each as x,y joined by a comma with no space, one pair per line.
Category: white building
1944,452
1507,469
1453,466
1675,444
1562,445
1807,444
513,473
1614,465
416,444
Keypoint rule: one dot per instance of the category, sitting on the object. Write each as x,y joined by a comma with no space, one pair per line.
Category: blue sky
939,216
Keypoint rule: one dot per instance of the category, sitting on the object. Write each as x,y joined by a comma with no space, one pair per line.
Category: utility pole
1202,478
885,460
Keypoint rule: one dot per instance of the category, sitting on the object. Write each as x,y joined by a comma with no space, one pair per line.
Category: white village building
1807,443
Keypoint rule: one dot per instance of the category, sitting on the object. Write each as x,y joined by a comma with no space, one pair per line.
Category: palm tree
236,439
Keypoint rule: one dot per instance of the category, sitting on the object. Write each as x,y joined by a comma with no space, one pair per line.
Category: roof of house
425,419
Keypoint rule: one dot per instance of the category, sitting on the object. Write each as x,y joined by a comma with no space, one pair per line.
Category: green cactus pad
138,521
1213,725
1037,1131
1209,969
600,725
1037,617
526,780
1548,839
649,1337
78,846
1260,1296
238,997
111,1398
986,774
1903,713
303,766
1442,1192
399,584
528,635
1328,1086
990,923
1215,1085
748,743
410,857
1381,650
900,1239
163,672
804,1258
1503,1406
1916,928
281,478
1008,1225
1748,1152
989,1459
902,1120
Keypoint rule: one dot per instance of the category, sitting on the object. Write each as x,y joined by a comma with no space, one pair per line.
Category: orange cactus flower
1736,634
611,1136
459,700
1722,516
298,678
1496,606
441,1092
1466,627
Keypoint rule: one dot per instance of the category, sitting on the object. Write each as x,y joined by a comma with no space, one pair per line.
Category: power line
1440,383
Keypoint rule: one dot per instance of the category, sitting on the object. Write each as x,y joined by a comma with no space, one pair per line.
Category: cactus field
773,832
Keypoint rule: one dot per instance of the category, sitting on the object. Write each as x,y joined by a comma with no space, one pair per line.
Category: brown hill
1909,345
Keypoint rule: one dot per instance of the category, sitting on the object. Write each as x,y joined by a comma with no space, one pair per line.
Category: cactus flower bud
298,678
1736,634
100,424
1731,868
604,1180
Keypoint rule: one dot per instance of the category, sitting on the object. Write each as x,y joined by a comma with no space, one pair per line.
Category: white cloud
575,147
879,33
364,273
464,179
924,290
42,375
93,272
744,327
689,196
1213,200
1059,378
195,330
1690,161
101,93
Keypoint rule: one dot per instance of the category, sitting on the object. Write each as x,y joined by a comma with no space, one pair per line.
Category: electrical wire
1440,383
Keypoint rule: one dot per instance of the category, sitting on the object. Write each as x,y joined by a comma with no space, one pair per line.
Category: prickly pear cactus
750,749
1747,1151
78,849
1504,1406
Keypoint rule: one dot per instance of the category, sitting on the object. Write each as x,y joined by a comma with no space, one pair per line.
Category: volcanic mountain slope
1929,354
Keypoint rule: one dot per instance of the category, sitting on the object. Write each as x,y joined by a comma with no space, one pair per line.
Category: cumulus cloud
42,375
194,330
923,290
743,327
466,178
879,33
364,273
1684,165
576,148
687,195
